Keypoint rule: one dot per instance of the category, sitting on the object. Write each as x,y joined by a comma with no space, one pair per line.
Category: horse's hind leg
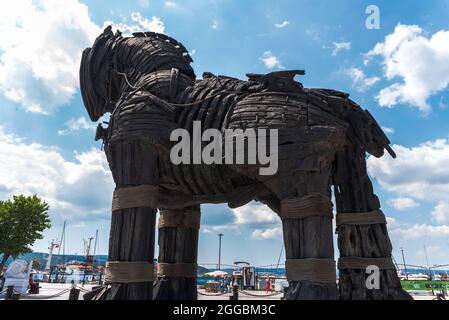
362,233
178,251
306,214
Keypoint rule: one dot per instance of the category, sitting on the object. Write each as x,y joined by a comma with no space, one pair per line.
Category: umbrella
217,273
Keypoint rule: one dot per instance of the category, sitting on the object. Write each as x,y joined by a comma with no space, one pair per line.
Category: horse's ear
108,33
108,29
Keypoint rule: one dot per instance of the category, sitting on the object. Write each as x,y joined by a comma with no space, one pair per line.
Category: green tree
22,222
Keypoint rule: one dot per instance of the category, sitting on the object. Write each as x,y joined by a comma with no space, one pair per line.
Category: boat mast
95,246
403,260
53,245
279,260
62,243
219,250
427,260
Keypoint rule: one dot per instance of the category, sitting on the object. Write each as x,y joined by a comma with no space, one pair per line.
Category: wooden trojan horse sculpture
147,84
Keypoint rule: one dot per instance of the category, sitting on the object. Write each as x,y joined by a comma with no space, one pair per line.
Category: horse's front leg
130,269
178,251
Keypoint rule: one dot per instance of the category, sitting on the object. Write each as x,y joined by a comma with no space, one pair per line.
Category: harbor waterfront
239,281
70,277
419,290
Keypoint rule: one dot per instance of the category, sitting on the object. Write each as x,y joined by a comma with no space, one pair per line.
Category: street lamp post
219,250
403,260
427,261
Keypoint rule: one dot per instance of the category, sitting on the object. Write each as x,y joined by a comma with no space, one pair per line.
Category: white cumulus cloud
402,203
388,130
418,61
254,213
283,24
40,51
359,80
259,219
215,24
76,124
339,46
419,175
419,172
419,231
270,60
137,23
76,190
269,233
441,212
41,45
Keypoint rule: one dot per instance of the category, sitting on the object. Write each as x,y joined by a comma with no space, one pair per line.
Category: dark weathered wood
177,245
354,193
132,230
147,83
310,237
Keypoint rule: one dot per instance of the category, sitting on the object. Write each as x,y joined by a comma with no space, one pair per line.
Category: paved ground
55,291
243,295
59,291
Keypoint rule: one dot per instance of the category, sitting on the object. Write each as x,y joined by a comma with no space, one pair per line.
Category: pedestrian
267,285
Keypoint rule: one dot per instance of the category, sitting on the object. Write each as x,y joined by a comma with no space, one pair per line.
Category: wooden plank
177,245
132,230
354,193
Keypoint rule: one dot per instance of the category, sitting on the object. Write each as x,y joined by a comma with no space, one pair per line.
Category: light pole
403,260
219,250
427,261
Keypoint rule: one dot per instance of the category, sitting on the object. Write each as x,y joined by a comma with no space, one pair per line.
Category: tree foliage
22,221
36,264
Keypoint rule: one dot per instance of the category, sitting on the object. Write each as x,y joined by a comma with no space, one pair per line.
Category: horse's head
114,62
95,74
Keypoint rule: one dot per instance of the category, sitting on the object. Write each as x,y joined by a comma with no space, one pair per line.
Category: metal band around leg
189,218
314,204
363,263
361,218
129,271
143,196
310,269
177,270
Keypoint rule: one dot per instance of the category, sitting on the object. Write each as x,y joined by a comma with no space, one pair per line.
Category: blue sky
399,72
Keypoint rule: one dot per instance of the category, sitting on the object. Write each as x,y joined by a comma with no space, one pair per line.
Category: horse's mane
146,52
112,55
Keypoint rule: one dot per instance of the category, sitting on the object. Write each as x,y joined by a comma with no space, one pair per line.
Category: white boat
419,276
